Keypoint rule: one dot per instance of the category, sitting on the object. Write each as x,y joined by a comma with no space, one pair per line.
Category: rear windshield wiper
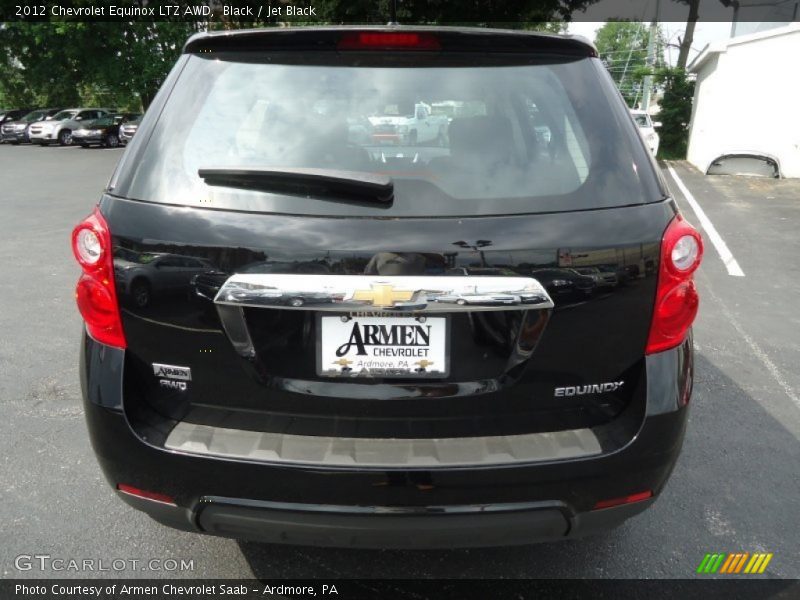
325,184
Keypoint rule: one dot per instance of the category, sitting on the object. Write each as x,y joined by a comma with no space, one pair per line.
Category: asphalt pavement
735,487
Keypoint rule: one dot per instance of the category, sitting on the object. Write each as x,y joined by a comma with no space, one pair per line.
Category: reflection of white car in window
601,278
478,298
648,129
420,127
521,298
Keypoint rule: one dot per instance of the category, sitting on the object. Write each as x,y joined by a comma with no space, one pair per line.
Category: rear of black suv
349,342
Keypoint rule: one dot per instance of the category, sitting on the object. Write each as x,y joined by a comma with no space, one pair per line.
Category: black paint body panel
643,460
593,336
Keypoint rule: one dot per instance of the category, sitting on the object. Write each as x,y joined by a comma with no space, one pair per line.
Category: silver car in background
59,129
128,129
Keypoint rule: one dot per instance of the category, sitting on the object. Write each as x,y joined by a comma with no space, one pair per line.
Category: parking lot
735,487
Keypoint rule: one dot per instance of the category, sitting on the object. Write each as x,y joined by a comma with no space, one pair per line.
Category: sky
671,16
704,33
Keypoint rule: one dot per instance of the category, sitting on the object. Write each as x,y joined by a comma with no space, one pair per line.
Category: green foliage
548,26
69,63
122,64
622,45
676,113
501,13
36,67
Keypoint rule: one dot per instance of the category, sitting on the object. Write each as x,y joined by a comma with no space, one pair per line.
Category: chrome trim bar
376,293
325,451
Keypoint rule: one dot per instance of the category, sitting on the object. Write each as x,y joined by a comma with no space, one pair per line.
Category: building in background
746,103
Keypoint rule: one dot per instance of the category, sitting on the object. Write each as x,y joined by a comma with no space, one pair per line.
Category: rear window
465,139
33,116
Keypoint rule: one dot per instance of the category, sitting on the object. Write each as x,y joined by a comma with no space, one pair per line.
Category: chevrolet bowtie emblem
383,295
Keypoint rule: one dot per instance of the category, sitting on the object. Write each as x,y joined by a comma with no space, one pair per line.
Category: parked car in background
59,129
15,132
14,114
124,117
103,131
647,128
128,129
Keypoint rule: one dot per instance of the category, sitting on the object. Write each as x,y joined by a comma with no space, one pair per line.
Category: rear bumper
388,508
381,527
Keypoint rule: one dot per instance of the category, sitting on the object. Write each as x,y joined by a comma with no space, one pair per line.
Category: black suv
105,131
8,118
369,358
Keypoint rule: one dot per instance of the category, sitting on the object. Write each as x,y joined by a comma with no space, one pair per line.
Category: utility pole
651,60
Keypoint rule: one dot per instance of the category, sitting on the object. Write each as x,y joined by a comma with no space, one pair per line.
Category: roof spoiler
453,39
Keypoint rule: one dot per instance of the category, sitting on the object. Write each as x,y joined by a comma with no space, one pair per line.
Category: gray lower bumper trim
381,453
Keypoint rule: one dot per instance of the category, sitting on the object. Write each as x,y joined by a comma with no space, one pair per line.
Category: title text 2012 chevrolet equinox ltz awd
345,341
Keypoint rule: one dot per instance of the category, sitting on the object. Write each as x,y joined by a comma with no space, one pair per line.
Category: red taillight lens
623,500
676,295
155,496
95,294
383,40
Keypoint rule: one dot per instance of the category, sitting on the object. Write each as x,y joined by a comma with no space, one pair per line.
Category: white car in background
418,128
59,128
647,128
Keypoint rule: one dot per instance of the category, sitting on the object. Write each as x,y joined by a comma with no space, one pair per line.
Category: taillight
676,296
388,40
95,294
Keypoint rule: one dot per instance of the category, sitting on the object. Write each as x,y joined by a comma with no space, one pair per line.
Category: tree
622,45
70,62
688,34
676,112
138,56
549,26
64,62
36,67
475,12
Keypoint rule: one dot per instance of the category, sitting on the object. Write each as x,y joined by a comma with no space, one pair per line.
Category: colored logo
740,562
383,295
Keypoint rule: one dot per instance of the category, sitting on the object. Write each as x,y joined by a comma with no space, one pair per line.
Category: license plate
384,346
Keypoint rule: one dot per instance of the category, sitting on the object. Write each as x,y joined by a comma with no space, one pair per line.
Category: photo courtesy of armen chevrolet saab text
387,287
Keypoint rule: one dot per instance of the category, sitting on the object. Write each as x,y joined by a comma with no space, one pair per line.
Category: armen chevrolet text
387,287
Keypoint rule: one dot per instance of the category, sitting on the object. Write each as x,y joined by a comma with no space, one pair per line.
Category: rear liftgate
379,327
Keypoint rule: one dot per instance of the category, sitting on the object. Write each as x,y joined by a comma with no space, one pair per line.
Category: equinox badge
595,388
